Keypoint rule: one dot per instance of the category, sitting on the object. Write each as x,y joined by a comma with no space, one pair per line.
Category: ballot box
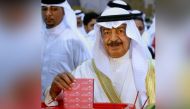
113,106
82,97
97,106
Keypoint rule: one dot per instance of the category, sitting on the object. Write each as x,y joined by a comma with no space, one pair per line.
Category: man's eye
107,33
44,9
121,31
92,25
54,9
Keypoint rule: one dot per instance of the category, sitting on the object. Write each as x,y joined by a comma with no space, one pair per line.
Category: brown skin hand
61,82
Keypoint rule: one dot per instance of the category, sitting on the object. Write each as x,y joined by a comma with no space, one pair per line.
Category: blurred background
147,6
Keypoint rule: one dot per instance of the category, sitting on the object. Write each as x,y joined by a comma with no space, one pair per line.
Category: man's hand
61,82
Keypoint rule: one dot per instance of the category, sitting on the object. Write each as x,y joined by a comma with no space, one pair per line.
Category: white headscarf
69,20
138,51
119,2
137,13
79,13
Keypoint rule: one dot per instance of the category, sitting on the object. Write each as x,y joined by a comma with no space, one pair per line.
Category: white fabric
143,16
79,15
138,51
83,31
121,2
64,48
145,35
70,19
91,40
48,99
125,87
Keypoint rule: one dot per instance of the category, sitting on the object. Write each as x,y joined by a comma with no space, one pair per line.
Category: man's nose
114,35
48,12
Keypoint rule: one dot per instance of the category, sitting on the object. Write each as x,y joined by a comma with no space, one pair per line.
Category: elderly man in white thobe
64,47
120,61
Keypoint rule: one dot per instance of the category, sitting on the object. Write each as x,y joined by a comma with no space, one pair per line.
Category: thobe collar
56,31
121,70
120,59
116,63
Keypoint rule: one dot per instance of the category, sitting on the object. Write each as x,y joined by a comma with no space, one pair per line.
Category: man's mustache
49,19
114,43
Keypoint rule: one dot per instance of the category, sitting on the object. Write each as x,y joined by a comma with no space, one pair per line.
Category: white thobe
90,38
122,79
82,31
63,52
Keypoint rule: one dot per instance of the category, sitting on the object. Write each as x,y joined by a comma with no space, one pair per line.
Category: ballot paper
81,96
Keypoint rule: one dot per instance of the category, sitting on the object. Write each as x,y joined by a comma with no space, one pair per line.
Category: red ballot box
98,106
113,106
82,97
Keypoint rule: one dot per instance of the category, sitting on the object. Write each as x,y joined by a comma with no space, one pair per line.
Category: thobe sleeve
59,59
80,52
79,72
48,99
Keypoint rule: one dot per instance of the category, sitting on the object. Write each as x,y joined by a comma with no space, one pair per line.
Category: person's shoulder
77,42
69,36
85,64
69,32
85,67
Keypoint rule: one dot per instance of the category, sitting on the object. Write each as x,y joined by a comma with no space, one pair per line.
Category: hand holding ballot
78,94
61,82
